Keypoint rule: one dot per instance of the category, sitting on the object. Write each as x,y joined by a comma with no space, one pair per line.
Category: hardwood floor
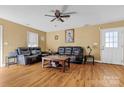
99,75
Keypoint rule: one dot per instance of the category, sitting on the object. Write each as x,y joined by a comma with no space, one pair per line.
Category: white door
112,46
1,45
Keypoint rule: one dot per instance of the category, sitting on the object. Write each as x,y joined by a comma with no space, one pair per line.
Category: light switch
6,43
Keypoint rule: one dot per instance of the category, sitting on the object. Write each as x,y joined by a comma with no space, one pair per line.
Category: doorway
1,46
112,46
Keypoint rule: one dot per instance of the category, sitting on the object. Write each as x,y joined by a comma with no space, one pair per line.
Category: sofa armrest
21,59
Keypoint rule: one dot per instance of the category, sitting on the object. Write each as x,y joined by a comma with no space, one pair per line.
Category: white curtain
32,39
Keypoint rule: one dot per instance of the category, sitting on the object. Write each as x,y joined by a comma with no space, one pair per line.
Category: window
32,39
111,39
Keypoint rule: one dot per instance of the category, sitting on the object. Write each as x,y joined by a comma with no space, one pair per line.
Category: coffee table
62,59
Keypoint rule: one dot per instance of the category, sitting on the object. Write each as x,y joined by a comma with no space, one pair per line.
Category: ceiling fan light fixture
60,15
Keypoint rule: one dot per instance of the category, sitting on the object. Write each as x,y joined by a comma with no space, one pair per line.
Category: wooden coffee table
59,58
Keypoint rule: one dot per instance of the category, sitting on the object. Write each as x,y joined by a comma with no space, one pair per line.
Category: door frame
1,47
117,28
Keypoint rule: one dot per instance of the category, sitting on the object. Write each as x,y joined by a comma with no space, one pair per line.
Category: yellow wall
16,36
84,36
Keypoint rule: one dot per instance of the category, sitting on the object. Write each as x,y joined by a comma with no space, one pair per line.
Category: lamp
90,50
95,45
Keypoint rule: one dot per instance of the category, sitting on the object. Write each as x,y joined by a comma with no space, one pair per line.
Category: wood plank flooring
80,75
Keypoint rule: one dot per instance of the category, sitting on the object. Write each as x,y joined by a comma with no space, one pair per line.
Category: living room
51,29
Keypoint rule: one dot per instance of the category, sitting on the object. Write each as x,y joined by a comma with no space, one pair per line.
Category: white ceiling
33,15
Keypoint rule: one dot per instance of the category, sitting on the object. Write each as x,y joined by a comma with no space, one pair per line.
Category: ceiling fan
60,14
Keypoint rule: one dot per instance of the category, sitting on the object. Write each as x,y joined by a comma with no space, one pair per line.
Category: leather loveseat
27,56
74,52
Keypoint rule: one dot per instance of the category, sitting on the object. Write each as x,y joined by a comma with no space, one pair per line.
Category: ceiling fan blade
61,19
65,16
52,20
50,15
69,13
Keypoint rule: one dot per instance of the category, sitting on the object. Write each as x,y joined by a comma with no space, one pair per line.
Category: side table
11,63
88,56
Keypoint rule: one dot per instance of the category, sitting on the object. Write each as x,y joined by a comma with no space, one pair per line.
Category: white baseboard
3,65
99,61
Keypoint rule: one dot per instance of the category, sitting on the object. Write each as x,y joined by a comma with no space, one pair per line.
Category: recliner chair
27,56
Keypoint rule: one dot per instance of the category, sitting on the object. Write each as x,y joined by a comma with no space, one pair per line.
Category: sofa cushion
23,51
68,50
33,52
61,50
76,51
32,56
26,53
38,52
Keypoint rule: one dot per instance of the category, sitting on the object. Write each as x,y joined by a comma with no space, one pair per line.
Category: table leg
14,60
50,63
85,59
93,60
63,69
69,63
42,62
7,61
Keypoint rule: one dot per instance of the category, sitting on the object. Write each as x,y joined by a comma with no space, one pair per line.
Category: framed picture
69,36
56,37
